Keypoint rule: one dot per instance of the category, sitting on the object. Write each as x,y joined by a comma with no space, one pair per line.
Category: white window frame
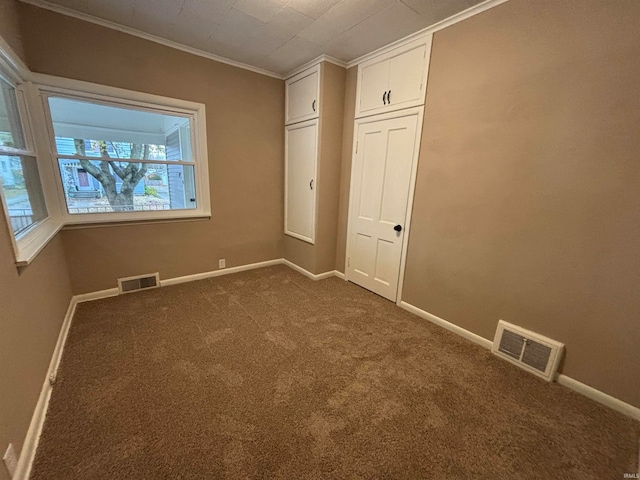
29,243
61,87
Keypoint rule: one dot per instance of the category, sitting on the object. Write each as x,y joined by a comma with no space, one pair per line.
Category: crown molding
147,36
442,24
315,61
452,20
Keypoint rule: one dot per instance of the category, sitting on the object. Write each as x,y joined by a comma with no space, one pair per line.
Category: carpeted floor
267,374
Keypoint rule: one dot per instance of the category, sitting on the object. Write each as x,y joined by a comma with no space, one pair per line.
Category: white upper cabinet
303,96
394,80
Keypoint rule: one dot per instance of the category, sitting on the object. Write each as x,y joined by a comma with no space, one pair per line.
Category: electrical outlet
222,263
10,460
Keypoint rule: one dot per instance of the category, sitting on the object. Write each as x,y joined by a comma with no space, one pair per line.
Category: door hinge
348,261
357,147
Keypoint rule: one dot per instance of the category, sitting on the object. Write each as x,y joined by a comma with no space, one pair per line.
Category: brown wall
320,257
33,302
349,113
526,204
245,143
9,26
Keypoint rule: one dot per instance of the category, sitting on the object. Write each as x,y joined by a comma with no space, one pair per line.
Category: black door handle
398,228
313,105
389,96
384,98
311,184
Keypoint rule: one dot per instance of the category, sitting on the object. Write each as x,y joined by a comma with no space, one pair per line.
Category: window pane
95,130
107,187
22,192
10,128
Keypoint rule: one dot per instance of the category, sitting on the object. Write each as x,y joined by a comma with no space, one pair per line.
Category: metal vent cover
142,282
529,350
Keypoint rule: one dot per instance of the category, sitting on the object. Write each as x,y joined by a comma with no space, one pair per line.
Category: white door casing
382,183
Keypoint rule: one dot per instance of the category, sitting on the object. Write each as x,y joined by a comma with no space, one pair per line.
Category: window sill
98,223
30,245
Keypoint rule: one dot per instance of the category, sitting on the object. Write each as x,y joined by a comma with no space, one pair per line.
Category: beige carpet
266,374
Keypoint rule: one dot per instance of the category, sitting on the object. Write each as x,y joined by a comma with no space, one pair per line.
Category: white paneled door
381,184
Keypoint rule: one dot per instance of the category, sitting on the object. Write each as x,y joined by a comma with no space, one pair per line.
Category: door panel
380,191
406,79
393,204
374,82
300,172
302,97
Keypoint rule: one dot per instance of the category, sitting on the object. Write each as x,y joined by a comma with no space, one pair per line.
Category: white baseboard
312,276
579,387
218,273
340,275
28,453
448,325
87,297
600,397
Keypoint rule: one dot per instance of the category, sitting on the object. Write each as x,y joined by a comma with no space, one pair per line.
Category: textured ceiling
275,35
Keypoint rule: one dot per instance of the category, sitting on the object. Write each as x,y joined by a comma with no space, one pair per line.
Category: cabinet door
407,79
303,102
374,80
400,75
301,153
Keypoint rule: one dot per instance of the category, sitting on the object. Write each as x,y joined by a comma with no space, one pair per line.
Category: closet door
301,153
303,96
385,160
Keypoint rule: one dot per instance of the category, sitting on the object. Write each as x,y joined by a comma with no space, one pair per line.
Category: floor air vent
533,352
142,282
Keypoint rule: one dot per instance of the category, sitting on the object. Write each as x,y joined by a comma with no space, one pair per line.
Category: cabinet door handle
313,105
389,96
384,98
311,184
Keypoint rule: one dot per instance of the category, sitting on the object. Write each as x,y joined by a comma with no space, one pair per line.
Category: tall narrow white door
301,142
382,175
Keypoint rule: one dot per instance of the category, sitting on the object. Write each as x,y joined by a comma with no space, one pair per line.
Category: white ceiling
274,35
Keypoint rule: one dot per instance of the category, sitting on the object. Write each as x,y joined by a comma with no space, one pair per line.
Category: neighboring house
77,181
6,173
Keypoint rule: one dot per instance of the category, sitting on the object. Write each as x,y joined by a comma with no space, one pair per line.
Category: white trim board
578,387
112,292
313,63
312,276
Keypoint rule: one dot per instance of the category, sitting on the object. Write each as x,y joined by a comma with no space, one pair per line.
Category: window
22,195
125,159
